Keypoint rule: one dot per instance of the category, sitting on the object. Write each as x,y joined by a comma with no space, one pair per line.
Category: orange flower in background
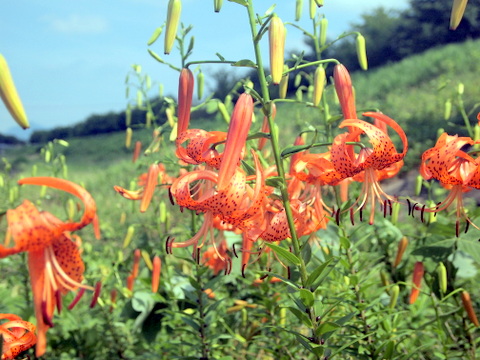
455,169
418,272
54,261
18,336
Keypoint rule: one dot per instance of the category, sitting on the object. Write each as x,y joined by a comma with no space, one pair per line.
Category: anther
77,298
422,219
243,270
234,251
96,294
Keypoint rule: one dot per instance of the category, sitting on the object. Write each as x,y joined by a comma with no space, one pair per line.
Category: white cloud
79,24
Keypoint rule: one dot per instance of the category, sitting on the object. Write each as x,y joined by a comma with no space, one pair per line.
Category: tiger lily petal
18,336
54,261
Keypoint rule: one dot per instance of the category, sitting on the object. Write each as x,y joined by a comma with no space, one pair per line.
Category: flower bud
467,305
319,3
458,8
447,109
150,185
136,151
223,111
173,17
200,84
157,267
277,36
217,5
128,236
323,31
128,116
344,90
361,52
298,9
313,9
10,97
128,137
442,277
418,272
186,84
318,84
402,245
146,259
394,291
418,185
460,88
283,87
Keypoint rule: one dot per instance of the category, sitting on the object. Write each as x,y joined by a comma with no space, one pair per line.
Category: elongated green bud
283,87
447,109
298,9
173,18
200,84
223,111
276,33
361,52
128,236
313,9
323,31
319,3
10,97
442,277
128,117
217,5
394,291
147,260
318,84
156,34
128,137
418,184
456,15
460,88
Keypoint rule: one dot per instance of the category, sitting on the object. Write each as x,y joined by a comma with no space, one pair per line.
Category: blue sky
69,59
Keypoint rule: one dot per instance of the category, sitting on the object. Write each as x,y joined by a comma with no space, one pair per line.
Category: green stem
278,160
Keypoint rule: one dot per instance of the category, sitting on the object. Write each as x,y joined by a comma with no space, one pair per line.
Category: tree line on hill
390,36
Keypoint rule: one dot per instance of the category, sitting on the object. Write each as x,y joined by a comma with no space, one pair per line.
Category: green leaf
290,150
316,273
303,317
471,248
307,297
245,63
326,327
284,254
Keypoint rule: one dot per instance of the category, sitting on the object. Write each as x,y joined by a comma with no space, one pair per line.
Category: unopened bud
458,8
217,5
186,84
173,18
460,89
344,90
223,111
283,87
277,36
418,272
361,52
402,245
323,31
298,9
200,84
319,3
442,277
128,137
467,305
418,185
136,150
150,185
146,259
157,266
447,109
318,84
128,236
128,117
313,9
394,291
10,97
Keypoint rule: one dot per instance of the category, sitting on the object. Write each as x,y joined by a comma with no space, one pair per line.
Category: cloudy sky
69,59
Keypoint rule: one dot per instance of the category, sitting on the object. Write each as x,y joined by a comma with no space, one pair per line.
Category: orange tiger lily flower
455,169
369,165
54,261
18,336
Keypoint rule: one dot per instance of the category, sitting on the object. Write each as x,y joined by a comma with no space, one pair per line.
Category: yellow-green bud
394,291
442,277
276,34
155,35
217,5
223,111
447,109
318,84
319,3
173,18
361,52
128,116
147,260
128,137
10,97
460,89
298,9
200,84
298,80
323,31
418,184
128,236
456,15
313,9
283,87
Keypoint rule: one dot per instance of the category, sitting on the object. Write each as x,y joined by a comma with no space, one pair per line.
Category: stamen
409,207
390,206
288,272
96,294
352,218
58,298
46,319
360,211
264,277
234,251
77,298
457,228
170,196
413,209
384,208
337,217
467,225
243,270
421,214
